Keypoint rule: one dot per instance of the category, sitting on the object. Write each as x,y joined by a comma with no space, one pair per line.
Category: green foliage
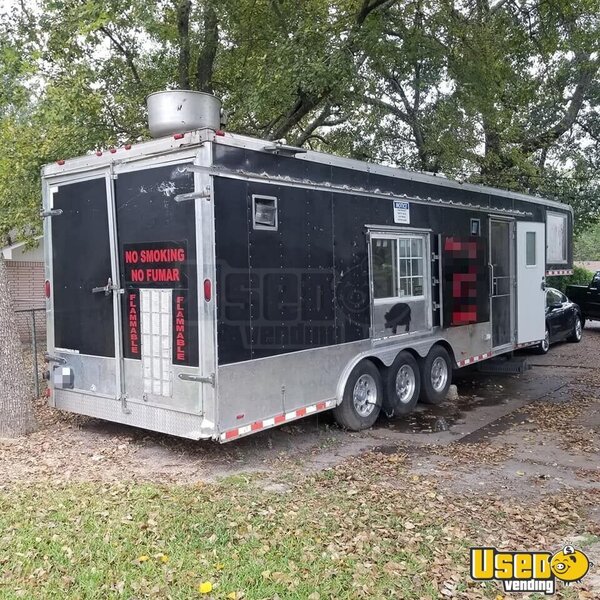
587,244
501,93
580,276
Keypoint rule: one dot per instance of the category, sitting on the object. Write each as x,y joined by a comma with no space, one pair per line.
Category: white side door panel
531,268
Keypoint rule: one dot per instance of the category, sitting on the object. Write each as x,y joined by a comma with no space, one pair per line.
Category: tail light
47,289
207,290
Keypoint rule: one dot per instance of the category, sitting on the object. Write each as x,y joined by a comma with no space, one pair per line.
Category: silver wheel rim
405,384
439,374
546,342
364,395
578,328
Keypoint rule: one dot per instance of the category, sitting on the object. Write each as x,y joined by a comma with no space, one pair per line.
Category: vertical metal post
36,375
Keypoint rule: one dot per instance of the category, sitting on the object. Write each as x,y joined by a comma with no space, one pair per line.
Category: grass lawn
366,529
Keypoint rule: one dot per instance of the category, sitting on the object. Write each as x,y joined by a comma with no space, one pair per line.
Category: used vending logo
529,571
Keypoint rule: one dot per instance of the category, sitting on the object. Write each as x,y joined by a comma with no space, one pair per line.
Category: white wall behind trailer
217,388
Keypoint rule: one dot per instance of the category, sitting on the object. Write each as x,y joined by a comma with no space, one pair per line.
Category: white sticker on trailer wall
156,327
401,212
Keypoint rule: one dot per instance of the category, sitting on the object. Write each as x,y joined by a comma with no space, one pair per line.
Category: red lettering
162,255
131,256
180,331
162,275
137,275
133,325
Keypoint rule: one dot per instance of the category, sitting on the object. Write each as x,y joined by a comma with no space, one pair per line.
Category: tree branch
369,6
588,69
127,54
183,29
206,59
313,125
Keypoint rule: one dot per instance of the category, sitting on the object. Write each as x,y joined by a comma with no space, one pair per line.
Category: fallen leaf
205,587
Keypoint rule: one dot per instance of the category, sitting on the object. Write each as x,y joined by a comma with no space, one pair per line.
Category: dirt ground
507,436
541,426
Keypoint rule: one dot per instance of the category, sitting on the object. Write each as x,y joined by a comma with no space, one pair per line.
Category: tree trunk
16,411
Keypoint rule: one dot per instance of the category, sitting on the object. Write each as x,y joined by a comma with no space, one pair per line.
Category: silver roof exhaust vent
178,111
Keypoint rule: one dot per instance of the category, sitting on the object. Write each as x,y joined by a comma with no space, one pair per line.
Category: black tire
435,393
543,347
348,414
401,394
577,333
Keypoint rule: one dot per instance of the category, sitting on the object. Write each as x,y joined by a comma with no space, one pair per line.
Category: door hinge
205,193
126,410
55,212
57,359
210,379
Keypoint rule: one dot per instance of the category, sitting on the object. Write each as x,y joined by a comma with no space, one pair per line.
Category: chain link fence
31,324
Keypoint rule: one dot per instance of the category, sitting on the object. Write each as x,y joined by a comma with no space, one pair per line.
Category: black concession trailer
211,285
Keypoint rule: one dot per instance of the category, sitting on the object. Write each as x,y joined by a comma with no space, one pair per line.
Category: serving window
398,267
401,300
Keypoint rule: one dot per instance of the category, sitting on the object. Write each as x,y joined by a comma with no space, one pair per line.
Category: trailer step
514,365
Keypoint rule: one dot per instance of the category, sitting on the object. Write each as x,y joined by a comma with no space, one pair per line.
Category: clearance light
112,150
127,146
98,152
207,290
178,136
47,288
220,132
60,162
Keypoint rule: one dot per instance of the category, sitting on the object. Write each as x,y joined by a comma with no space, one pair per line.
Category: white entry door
531,270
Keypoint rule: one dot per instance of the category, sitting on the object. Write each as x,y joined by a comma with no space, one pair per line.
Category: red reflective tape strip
277,420
473,359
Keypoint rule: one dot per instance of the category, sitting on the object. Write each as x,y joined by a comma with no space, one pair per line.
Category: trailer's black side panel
275,288
148,218
292,273
233,286
83,321
262,163
335,225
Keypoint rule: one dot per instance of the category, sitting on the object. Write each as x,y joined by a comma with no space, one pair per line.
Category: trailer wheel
436,375
362,398
402,386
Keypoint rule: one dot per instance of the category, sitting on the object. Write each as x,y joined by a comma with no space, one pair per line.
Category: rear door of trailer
126,315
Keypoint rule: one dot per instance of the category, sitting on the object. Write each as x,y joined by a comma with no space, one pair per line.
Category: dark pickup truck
587,297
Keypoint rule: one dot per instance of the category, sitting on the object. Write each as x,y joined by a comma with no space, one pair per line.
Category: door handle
107,289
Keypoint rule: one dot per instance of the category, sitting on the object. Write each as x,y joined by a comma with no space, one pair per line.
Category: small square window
476,227
264,212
